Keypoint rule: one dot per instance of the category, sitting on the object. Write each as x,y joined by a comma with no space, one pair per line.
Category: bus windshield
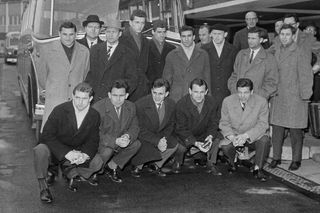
75,11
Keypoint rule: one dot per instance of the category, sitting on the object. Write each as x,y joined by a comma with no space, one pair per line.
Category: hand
83,157
123,142
241,139
199,145
73,156
208,138
315,68
162,145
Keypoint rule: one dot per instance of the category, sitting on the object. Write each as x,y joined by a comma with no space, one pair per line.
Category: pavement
307,178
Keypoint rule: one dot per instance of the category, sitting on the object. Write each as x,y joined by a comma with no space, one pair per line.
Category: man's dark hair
294,15
256,30
186,28
160,82
68,25
138,13
198,81
83,87
205,25
288,26
245,82
119,84
159,24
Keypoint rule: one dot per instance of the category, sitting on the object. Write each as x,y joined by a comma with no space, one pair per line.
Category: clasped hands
204,146
123,141
162,145
238,140
77,157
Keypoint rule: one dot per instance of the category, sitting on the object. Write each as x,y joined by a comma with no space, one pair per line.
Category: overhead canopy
232,12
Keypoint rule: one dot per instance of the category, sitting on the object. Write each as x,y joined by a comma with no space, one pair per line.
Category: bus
11,47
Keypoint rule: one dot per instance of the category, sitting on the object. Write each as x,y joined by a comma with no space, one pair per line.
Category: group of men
99,115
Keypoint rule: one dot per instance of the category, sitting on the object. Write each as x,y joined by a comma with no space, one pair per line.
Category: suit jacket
192,126
84,41
112,127
180,71
157,60
141,59
58,76
253,120
62,135
151,131
220,68
103,72
262,71
289,107
240,40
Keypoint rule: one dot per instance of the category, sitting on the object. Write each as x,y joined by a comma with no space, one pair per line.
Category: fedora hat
92,18
115,23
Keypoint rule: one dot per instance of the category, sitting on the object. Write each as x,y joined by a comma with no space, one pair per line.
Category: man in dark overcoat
109,61
70,138
156,121
158,50
92,26
197,117
133,39
222,55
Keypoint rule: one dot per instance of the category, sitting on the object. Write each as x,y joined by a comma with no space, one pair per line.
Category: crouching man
244,122
119,129
197,119
156,120
70,138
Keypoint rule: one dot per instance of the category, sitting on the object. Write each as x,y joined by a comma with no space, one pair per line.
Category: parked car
11,47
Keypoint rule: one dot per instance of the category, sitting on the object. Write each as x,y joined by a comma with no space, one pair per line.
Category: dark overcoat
192,126
220,68
157,60
121,65
151,131
141,59
61,134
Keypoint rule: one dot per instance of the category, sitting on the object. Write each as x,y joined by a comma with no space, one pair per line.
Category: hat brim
85,23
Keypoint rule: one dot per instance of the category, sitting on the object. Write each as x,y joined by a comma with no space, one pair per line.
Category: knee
135,145
265,141
41,150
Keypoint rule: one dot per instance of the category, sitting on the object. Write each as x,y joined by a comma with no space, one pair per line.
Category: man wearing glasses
240,40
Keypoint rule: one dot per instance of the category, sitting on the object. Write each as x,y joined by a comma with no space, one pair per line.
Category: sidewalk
307,177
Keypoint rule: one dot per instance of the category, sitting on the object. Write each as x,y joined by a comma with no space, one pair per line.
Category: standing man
256,64
204,35
197,118
70,138
119,129
244,122
240,40
222,55
92,26
289,108
110,61
185,63
139,45
158,51
64,64
156,121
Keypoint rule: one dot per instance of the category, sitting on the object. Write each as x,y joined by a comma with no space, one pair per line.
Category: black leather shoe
274,163
45,196
295,165
212,169
200,162
232,169
112,174
71,185
259,174
176,168
156,170
93,180
50,179
135,172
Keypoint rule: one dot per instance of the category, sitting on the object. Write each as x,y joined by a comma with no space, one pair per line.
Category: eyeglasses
251,19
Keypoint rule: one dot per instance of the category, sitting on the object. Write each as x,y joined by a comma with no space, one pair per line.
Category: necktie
109,52
118,111
158,108
251,56
91,44
243,106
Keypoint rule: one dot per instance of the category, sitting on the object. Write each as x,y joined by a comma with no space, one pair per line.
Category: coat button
69,85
